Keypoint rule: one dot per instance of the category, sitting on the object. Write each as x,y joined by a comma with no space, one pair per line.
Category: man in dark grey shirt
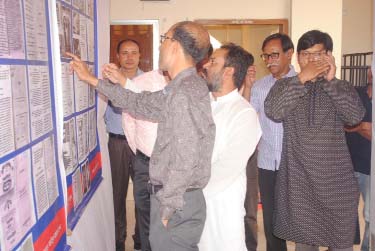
181,161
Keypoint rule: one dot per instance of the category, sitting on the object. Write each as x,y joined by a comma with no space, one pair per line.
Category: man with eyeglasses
277,54
181,159
316,191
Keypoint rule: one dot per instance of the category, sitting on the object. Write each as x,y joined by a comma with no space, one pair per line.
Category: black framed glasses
164,37
273,55
313,54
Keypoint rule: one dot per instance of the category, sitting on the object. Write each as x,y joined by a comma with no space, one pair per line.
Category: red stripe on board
70,198
51,236
95,165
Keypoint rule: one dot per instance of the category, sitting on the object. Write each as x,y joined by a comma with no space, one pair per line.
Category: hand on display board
81,69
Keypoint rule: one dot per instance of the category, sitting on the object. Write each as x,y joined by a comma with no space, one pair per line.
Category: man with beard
180,163
237,134
277,54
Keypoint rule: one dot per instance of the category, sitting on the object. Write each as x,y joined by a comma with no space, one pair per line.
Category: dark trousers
267,181
142,197
121,158
251,204
184,228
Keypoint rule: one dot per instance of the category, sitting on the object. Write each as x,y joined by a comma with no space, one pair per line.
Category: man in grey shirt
181,161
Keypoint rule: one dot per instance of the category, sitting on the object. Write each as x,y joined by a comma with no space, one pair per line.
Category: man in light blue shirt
277,54
120,155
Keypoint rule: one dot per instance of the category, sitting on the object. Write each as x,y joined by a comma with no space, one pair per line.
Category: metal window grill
354,68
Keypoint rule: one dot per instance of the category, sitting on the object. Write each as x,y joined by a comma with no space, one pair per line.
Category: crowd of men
187,134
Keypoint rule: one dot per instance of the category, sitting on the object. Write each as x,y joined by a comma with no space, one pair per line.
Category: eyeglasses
273,55
314,54
164,37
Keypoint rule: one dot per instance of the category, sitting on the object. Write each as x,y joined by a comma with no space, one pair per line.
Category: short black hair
286,42
313,37
125,41
238,58
185,34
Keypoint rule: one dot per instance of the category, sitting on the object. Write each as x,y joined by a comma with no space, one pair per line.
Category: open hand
250,77
330,59
81,69
113,73
313,69
165,222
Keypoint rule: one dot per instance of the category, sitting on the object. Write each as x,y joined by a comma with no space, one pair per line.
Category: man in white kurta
237,134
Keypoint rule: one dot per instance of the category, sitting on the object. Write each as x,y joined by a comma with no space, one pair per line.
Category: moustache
271,64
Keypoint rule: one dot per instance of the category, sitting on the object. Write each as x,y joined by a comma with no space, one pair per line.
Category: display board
43,146
32,212
81,155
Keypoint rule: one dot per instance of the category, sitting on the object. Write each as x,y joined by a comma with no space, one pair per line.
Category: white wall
174,11
322,15
303,15
357,22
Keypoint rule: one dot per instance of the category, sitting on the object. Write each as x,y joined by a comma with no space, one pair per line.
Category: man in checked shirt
181,160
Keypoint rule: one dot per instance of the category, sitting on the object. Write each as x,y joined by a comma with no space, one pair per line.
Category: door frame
283,23
155,35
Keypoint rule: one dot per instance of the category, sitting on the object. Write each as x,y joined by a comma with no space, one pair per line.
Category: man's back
190,91
141,134
237,134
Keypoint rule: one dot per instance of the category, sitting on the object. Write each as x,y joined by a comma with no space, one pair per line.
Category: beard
214,83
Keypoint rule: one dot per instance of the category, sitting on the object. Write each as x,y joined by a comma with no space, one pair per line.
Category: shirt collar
291,73
174,82
228,97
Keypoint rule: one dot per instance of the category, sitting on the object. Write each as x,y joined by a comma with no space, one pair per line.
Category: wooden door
142,34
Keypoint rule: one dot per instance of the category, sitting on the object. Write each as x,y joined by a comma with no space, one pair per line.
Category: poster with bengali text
81,154
32,209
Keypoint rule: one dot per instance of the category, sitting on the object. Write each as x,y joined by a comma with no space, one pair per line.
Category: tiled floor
261,238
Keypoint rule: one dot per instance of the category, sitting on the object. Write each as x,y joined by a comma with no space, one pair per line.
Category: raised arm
145,105
346,101
248,82
284,95
283,98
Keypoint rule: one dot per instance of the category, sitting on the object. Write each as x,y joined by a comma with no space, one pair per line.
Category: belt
117,136
153,189
142,155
